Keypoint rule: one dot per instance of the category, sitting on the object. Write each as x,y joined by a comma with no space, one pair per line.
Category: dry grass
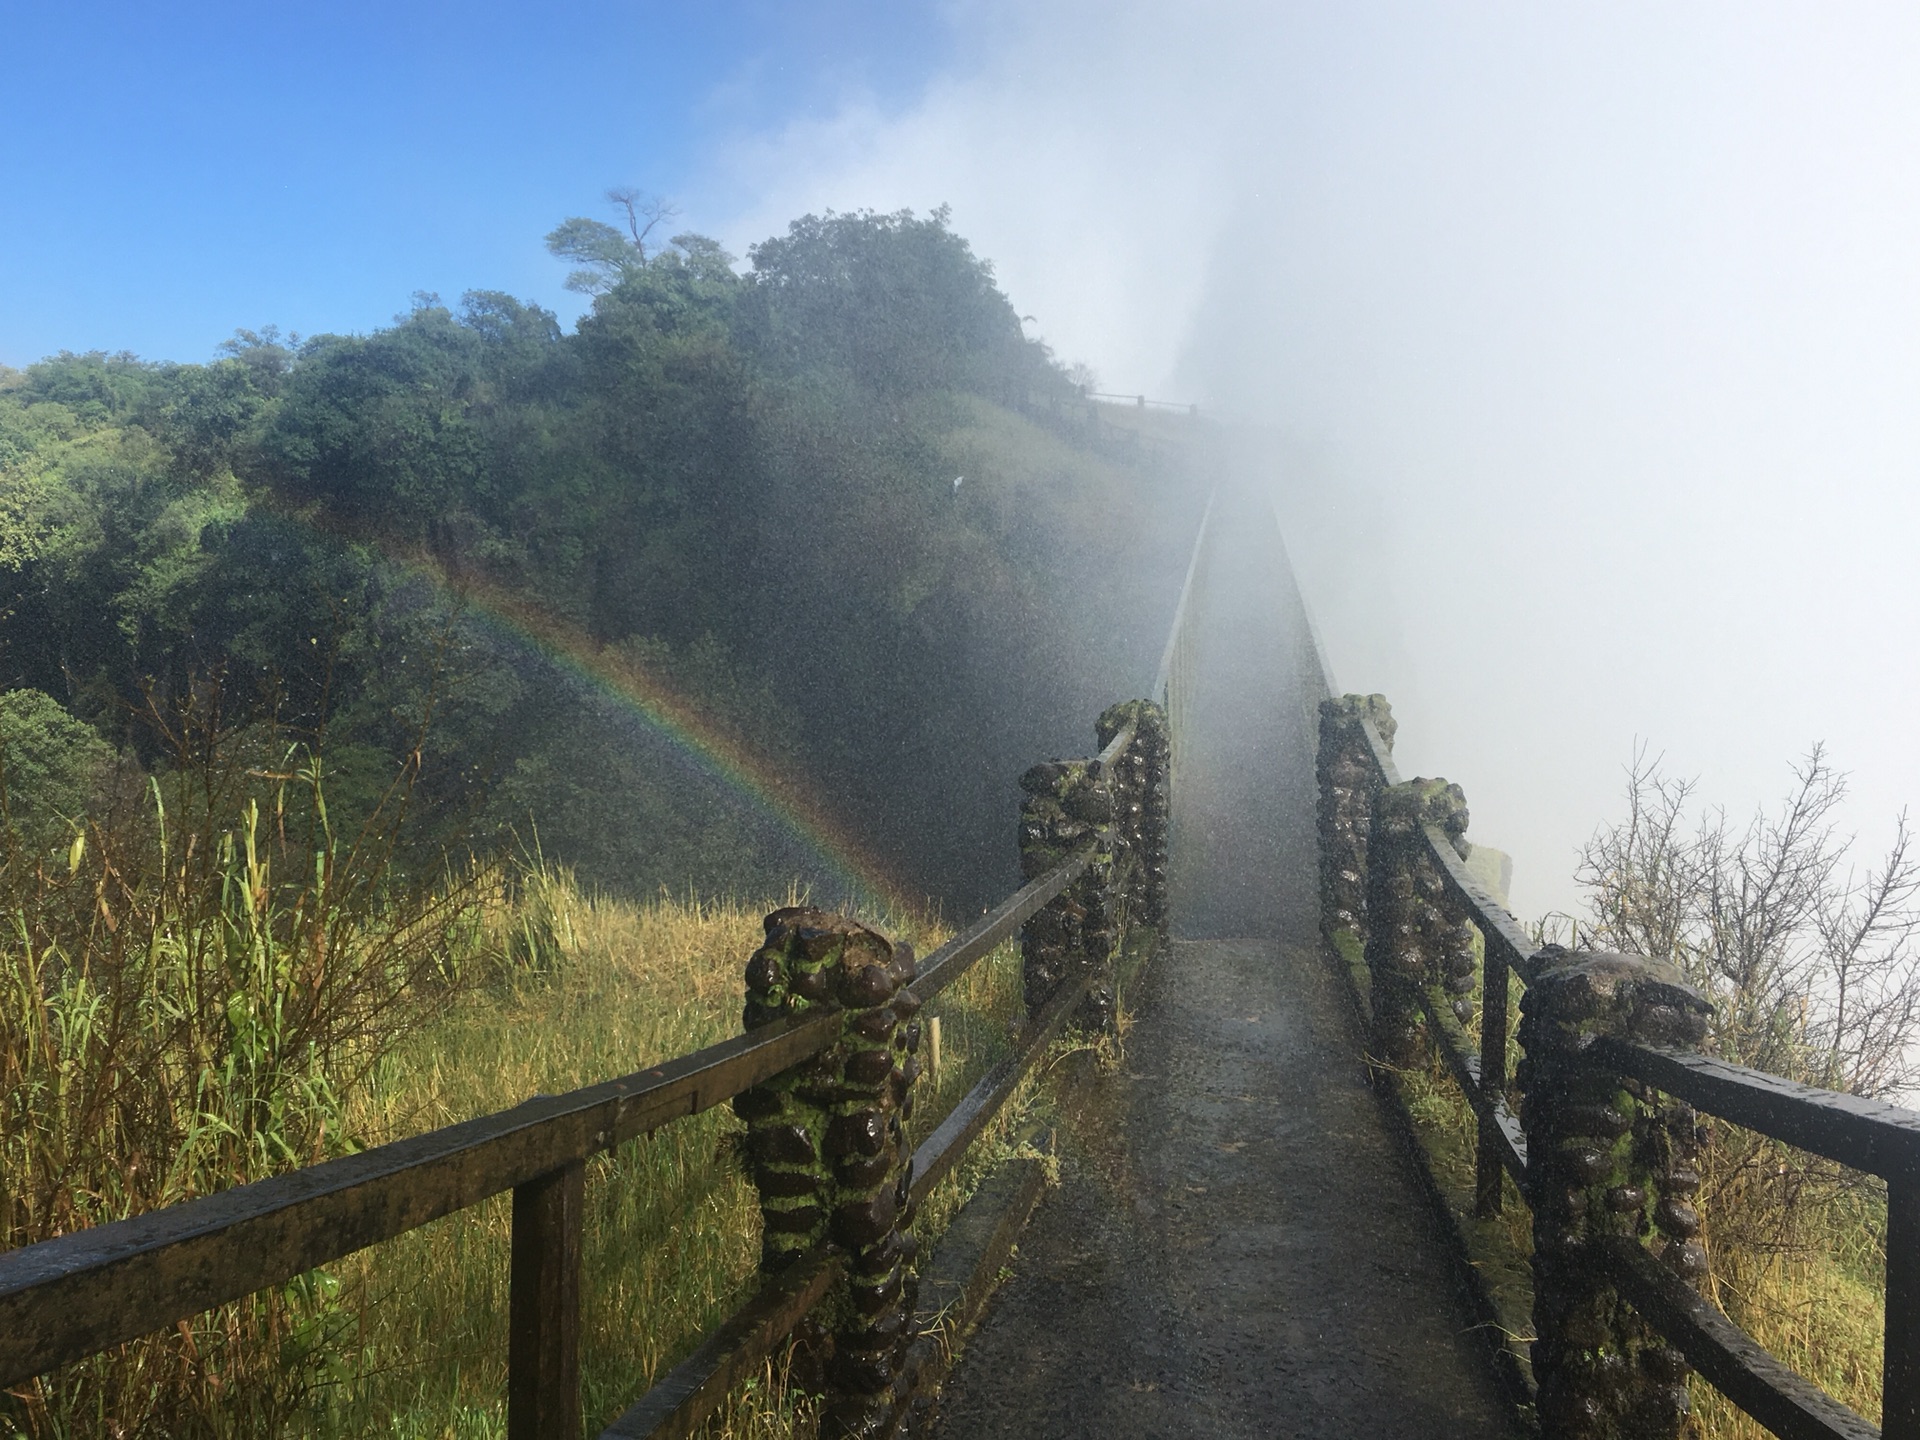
602,987
1815,1298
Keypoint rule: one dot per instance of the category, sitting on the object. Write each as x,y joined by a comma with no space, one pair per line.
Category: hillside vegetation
740,484
327,666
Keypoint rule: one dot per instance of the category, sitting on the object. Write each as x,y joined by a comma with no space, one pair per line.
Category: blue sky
170,172
1590,331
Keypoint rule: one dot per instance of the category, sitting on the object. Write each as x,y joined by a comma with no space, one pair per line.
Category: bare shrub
1809,958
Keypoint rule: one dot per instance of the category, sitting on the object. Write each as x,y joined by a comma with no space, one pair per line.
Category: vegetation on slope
743,481
278,730
212,986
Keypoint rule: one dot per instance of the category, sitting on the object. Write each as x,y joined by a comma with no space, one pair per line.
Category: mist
1581,343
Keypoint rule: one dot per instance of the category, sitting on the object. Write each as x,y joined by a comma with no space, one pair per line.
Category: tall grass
592,988
599,987
209,986
1813,1293
190,990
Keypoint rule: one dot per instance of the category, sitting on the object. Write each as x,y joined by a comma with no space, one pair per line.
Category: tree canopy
741,476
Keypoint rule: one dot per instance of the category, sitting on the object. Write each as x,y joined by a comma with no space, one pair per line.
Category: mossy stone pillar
1446,934
1348,781
828,1145
1606,1159
1069,804
1142,788
1413,935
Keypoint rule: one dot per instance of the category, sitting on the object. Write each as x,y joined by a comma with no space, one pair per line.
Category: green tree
97,387
901,303
211,411
378,426
52,767
266,353
605,255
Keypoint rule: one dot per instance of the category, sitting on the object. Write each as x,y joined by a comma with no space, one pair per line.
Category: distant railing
1173,682
1141,402
824,1079
1606,1147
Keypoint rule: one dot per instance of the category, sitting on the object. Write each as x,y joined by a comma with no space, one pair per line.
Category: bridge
1244,1239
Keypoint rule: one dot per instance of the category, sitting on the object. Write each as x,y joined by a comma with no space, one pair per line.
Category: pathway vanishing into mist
1238,1246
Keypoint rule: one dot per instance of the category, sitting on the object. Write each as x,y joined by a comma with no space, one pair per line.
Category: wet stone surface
1237,1247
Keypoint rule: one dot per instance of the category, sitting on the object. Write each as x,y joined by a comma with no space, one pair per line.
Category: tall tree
605,256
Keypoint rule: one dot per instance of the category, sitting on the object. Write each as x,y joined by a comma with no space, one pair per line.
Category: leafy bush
52,769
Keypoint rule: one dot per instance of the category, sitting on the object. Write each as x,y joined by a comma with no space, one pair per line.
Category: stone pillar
1414,936
1348,781
1142,785
1606,1158
1446,934
1069,804
828,1145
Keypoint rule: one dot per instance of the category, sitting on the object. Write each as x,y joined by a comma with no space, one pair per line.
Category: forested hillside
835,503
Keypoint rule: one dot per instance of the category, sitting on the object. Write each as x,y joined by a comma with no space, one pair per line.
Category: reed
191,989
208,985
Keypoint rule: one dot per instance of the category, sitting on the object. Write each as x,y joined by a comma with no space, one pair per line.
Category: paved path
1238,1246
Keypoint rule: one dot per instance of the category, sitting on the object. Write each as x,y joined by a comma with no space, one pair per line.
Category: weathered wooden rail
1599,1124
79,1294
1141,402
823,1077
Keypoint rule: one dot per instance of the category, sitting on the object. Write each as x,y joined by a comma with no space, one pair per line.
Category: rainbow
844,870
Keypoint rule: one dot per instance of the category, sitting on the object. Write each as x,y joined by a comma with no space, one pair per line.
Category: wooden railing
1172,683
824,1079
74,1296
1141,402
1606,1147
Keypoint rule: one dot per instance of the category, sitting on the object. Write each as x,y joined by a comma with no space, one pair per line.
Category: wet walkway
1238,1246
